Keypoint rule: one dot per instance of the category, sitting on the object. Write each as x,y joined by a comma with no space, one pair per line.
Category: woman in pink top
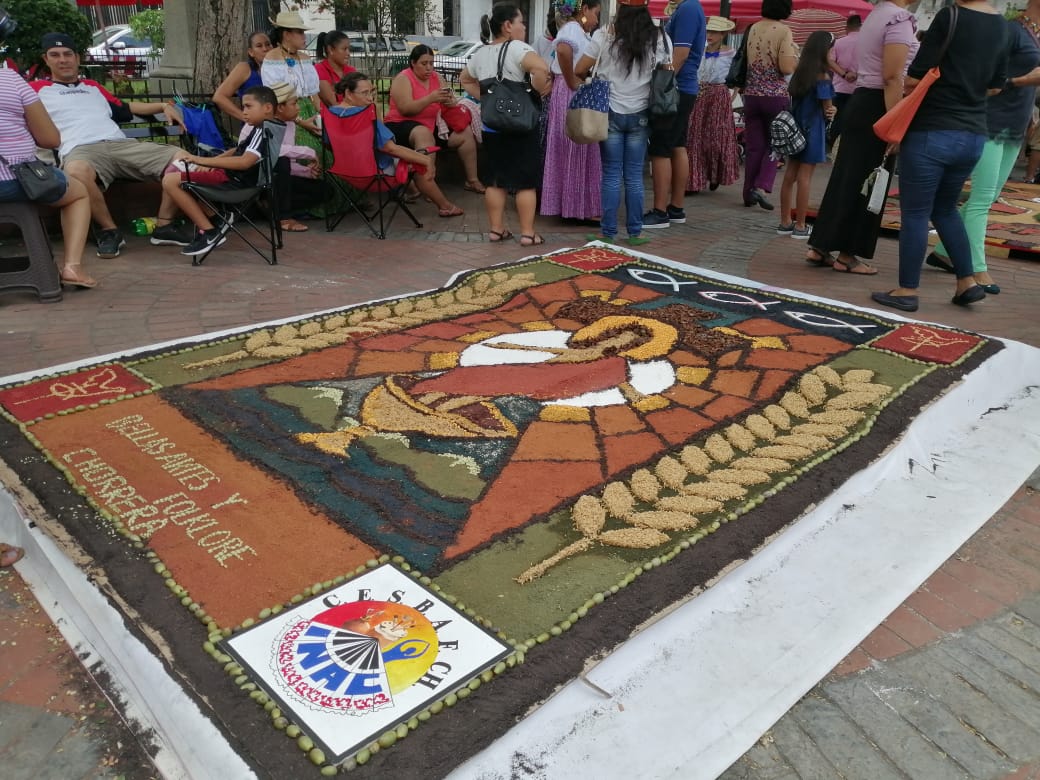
886,45
416,98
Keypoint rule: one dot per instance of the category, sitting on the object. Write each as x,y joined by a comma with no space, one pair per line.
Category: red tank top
428,116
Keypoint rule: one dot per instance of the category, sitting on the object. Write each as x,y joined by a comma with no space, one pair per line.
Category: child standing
235,168
811,95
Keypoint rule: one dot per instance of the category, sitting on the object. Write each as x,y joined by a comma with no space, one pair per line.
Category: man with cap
669,162
93,148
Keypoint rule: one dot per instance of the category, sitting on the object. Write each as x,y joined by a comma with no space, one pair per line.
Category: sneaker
205,241
654,219
173,235
676,215
637,240
109,242
223,222
802,234
785,230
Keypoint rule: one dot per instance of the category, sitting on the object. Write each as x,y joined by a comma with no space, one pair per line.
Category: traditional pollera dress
712,140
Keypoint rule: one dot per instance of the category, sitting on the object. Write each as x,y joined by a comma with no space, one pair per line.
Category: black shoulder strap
949,33
502,58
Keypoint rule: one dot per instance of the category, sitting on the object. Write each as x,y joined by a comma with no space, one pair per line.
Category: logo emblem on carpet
52,395
365,656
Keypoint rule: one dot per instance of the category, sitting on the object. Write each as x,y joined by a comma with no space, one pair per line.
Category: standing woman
286,62
1007,117
243,76
711,143
887,43
333,48
772,56
571,181
944,142
627,55
513,159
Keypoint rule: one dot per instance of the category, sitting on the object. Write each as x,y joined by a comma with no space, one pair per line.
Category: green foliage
36,18
150,24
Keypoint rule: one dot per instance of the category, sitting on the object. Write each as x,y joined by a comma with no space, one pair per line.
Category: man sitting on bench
94,149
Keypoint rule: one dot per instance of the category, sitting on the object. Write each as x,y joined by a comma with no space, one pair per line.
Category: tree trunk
220,41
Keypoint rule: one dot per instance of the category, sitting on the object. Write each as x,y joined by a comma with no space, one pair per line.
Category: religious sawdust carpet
1012,225
546,453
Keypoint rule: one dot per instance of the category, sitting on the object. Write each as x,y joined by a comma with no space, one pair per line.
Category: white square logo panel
361,658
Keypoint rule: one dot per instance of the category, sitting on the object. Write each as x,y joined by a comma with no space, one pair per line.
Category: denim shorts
11,191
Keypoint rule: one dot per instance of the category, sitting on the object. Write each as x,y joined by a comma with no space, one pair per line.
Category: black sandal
497,237
822,260
535,240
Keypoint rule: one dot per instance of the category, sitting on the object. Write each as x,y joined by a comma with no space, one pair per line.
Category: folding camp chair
201,134
355,172
233,203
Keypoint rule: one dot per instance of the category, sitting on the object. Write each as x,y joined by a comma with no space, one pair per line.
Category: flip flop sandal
849,268
497,237
535,240
822,260
454,211
292,226
474,187
10,555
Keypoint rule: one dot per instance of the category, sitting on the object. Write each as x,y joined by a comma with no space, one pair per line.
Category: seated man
236,167
93,148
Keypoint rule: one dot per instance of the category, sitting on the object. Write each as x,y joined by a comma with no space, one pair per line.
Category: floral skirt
712,140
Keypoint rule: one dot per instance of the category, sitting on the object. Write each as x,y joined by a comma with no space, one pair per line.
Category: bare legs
75,224
495,204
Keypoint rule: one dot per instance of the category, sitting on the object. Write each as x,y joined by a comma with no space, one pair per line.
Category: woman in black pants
887,43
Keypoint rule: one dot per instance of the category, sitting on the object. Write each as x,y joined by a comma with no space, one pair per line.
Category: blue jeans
933,166
11,191
622,156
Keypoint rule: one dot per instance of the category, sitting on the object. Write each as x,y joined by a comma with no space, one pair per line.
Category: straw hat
720,24
289,20
284,91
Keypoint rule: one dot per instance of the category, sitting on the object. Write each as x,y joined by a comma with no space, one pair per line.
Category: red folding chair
355,171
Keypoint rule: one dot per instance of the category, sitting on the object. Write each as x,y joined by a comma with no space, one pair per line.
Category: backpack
785,136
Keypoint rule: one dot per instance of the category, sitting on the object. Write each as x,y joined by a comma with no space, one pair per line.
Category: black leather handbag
508,106
737,76
664,94
39,180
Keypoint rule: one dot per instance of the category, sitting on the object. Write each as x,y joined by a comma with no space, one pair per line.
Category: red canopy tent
744,12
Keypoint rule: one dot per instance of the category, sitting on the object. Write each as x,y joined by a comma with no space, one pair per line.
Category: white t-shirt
82,112
629,91
483,64
574,35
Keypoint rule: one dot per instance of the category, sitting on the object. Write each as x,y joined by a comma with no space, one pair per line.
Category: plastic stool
42,273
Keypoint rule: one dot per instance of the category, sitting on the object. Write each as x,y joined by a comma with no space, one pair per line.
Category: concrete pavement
946,687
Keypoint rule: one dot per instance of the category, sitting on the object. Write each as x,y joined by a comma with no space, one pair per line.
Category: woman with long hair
333,51
812,96
287,62
945,141
627,53
417,97
571,178
513,159
243,76
1007,118
711,143
887,43
771,57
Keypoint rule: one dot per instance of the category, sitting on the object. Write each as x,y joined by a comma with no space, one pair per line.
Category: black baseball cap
55,40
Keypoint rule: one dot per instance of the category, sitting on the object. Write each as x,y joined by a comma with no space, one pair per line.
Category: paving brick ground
948,686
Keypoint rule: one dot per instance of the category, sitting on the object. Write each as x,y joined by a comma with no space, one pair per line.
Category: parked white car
118,41
452,59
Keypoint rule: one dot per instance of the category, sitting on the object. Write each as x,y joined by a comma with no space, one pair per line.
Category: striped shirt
16,143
